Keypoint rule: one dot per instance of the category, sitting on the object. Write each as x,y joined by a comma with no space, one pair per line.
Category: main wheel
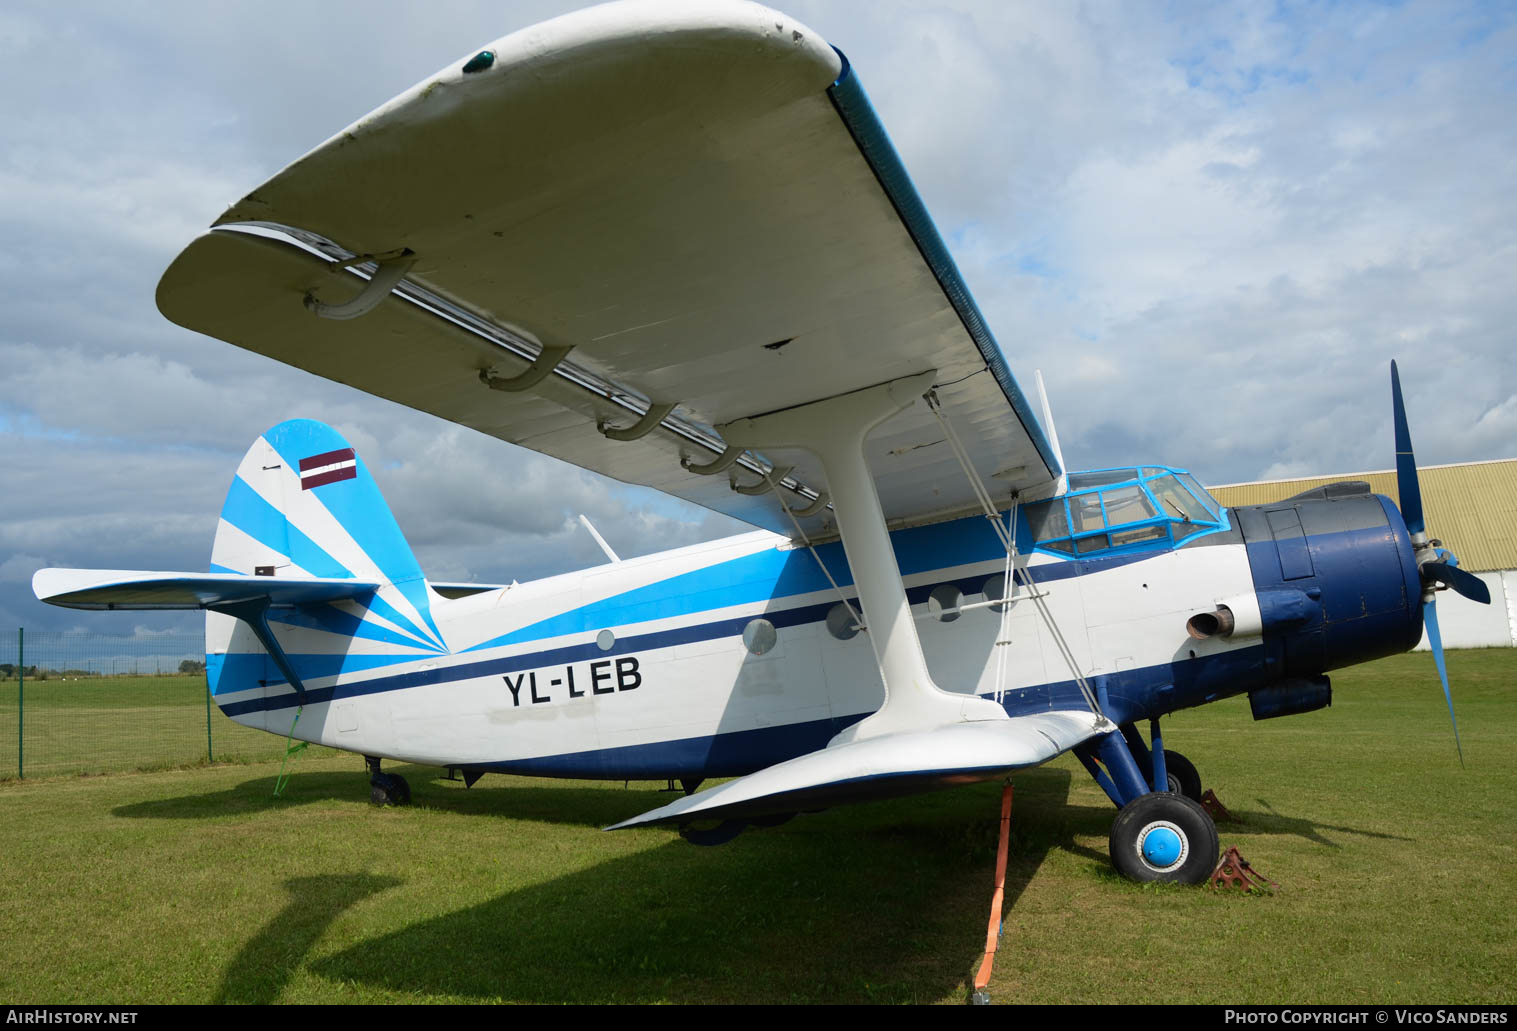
389,789
400,791
1184,778
1164,837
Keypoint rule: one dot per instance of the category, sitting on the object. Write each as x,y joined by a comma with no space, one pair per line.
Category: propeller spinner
1435,565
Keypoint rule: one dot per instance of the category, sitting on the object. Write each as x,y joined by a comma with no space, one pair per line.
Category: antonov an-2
672,243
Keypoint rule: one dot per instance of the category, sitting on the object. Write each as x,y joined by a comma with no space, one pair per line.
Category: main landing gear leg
1176,773
386,788
1157,836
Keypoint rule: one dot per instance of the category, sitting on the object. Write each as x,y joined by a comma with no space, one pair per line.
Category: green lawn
102,724
1396,870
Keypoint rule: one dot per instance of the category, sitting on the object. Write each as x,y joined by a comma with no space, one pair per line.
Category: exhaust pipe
1247,615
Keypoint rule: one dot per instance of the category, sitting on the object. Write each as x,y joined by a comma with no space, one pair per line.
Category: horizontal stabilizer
886,766
137,589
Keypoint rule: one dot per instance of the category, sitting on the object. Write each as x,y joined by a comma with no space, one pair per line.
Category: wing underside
884,767
696,203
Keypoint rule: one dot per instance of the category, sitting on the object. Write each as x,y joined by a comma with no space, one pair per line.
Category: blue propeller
1435,565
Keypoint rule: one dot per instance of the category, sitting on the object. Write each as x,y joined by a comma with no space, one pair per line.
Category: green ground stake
208,757
289,750
20,703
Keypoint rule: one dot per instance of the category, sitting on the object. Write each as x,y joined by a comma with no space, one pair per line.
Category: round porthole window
841,623
943,603
604,640
995,590
759,636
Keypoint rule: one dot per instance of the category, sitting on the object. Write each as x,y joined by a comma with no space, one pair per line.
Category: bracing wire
1008,540
858,620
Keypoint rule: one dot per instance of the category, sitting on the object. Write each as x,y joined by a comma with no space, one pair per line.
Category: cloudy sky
1212,226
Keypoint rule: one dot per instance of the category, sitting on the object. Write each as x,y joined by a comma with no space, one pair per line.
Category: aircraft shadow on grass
263,966
1270,821
602,805
851,905
778,915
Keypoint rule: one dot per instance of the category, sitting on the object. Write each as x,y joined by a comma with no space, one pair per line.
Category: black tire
389,789
400,791
1184,778
1164,837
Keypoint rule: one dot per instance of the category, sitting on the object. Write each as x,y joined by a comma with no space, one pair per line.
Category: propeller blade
1467,584
1407,487
1434,638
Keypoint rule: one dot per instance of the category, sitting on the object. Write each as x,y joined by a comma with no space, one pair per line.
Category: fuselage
723,658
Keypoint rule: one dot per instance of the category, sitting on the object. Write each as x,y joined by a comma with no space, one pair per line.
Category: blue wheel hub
1162,846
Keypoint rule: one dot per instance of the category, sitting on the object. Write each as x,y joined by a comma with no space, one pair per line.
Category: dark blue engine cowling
1336,578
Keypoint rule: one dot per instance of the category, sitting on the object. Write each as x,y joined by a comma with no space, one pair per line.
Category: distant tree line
8,671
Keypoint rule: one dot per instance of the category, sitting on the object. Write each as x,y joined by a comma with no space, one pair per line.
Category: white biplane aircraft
672,243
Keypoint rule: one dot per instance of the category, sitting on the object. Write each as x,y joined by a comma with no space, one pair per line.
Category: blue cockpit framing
1120,511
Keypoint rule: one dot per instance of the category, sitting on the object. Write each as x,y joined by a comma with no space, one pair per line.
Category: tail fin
302,504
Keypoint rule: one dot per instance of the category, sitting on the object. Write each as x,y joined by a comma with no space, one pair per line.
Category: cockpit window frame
1083,540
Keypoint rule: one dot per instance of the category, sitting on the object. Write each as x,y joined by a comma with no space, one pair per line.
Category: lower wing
886,766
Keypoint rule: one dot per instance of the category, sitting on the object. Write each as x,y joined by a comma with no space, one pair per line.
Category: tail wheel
1184,779
389,789
1164,837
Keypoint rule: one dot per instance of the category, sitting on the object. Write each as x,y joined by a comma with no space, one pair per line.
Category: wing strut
255,613
1007,533
834,430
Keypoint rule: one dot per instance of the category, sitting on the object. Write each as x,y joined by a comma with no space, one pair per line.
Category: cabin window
1046,519
1085,512
759,636
1201,493
1138,535
1101,478
842,623
1127,505
943,603
1115,509
1177,501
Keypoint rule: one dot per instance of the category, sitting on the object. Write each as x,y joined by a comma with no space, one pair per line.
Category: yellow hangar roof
1472,508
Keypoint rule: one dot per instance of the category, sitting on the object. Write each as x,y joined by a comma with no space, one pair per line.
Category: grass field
103,724
1396,870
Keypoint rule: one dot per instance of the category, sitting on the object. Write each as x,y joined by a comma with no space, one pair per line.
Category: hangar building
1472,508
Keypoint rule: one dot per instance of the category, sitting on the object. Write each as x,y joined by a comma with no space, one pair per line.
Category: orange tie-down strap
993,932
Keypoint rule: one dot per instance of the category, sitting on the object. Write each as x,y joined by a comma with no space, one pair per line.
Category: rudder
302,503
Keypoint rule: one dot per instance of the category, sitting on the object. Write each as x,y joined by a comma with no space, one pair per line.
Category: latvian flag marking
328,468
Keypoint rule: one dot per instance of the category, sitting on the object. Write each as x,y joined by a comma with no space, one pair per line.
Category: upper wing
697,199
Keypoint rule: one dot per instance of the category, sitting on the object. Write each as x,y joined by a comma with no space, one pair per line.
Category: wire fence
73,703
